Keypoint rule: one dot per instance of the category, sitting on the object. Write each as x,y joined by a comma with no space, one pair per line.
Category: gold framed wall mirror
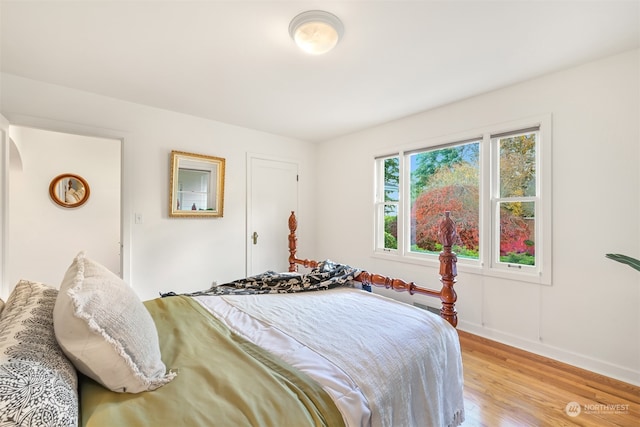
69,190
196,185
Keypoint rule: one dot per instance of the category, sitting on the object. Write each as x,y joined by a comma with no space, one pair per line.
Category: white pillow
106,331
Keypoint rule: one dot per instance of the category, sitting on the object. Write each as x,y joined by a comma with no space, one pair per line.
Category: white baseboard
601,367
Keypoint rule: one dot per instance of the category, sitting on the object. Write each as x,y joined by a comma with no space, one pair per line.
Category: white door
272,195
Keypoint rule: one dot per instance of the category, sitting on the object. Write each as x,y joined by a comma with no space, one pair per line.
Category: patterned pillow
106,331
38,384
1,305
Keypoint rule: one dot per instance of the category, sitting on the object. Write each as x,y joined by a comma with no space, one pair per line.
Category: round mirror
69,190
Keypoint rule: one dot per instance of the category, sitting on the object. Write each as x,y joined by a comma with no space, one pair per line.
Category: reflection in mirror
196,185
69,190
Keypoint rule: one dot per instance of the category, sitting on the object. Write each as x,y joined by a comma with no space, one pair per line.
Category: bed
276,349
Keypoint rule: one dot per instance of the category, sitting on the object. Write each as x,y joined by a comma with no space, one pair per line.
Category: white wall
590,316
166,253
43,236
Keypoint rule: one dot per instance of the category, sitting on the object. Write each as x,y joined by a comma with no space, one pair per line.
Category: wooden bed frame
448,270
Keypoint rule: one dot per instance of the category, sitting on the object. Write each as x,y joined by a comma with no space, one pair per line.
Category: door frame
74,129
4,203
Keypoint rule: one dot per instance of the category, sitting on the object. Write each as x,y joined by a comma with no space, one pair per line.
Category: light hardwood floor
505,387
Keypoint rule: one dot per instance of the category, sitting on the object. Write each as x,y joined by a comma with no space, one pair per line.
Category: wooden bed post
293,226
448,270
293,241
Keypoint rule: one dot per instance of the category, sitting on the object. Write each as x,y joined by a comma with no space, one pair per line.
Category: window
496,188
387,207
514,198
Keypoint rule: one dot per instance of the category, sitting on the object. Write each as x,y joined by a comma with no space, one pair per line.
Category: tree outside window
516,202
445,179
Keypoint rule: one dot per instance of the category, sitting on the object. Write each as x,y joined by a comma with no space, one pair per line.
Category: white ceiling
234,62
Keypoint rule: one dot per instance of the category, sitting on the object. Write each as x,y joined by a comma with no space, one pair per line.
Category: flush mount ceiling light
316,31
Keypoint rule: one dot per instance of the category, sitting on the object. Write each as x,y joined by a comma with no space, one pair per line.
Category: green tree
428,163
391,189
518,166
462,173
391,179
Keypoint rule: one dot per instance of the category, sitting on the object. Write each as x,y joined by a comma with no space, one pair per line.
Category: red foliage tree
514,235
460,200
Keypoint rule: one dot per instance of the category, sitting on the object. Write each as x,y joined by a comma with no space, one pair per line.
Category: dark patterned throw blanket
326,275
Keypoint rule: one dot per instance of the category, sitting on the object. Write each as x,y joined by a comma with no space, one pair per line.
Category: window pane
445,179
517,232
391,179
518,165
390,226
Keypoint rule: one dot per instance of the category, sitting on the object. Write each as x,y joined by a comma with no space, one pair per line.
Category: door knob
254,236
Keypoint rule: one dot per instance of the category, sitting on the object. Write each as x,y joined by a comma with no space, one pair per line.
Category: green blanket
223,380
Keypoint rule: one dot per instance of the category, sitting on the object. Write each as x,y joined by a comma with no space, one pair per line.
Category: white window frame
487,264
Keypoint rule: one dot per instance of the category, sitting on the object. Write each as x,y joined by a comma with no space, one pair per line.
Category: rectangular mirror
196,185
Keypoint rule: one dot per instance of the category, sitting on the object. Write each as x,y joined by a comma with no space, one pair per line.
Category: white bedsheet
385,364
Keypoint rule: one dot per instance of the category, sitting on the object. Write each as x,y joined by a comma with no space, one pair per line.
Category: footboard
448,271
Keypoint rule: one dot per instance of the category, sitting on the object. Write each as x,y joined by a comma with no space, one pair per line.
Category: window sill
466,266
